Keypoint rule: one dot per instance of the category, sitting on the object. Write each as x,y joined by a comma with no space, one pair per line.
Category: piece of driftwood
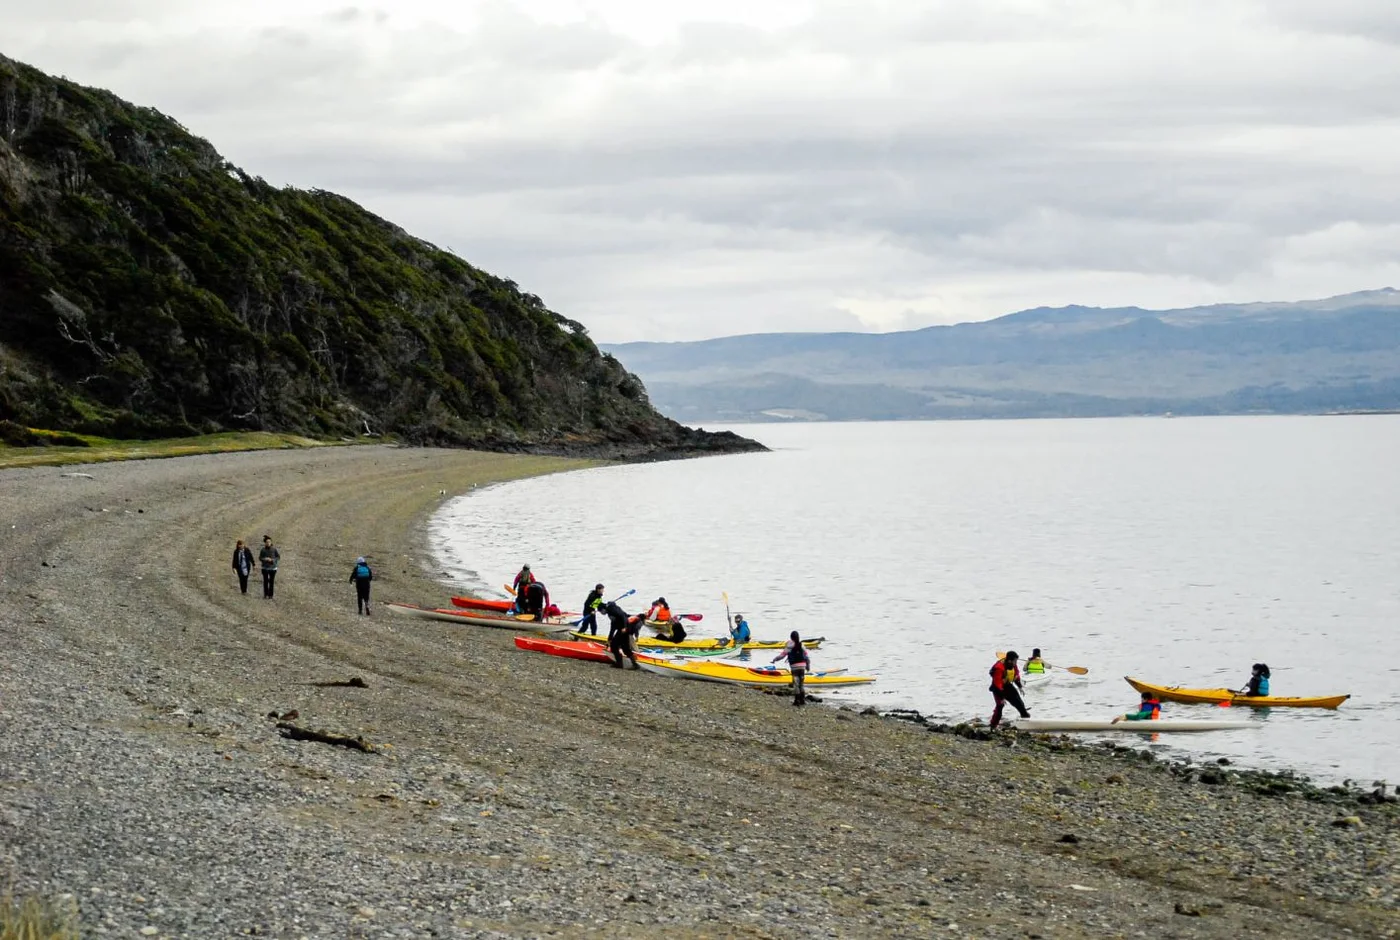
298,733
354,682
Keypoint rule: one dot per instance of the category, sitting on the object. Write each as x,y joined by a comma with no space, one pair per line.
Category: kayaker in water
1035,666
740,631
1258,684
362,575
522,582
799,661
591,606
1150,709
536,599
1006,679
619,635
660,611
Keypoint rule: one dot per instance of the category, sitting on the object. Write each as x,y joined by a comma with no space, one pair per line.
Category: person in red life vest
1150,709
1006,682
522,583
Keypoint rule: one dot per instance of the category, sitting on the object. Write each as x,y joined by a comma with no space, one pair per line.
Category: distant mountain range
1337,354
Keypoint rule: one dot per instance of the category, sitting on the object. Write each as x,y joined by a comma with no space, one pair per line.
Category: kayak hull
735,674
569,649
482,603
1130,727
1172,693
480,618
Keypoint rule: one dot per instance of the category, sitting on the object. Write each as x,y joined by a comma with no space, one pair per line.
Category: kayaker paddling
1258,684
1035,666
740,631
1006,680
1150,709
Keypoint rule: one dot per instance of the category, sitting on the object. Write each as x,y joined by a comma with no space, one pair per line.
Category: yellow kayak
1173,693
751,676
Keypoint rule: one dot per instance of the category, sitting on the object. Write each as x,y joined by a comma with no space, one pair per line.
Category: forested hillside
150,288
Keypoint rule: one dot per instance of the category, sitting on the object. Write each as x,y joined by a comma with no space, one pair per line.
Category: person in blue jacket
740,631
1258,684
362,575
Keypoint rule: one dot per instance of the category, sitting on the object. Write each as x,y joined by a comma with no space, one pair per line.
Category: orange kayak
482,603
570,649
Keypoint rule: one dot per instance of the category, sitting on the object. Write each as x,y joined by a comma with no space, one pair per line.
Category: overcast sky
676,169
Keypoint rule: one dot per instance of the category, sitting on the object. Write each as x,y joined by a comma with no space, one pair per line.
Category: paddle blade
691,616
1224,704
1077,670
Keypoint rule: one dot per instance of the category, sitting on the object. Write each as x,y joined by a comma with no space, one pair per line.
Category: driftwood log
354,682
298,733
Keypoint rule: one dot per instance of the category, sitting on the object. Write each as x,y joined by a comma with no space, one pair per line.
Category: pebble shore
509,794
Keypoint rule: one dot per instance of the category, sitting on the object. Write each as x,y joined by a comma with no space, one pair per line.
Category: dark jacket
269,556
243,560
362,573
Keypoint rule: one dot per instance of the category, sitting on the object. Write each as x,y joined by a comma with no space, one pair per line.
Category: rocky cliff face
148,287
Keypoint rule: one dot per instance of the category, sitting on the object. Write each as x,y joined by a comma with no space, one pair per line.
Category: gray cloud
861,166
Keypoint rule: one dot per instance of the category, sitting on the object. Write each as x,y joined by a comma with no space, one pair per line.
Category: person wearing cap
268,558
1006,680
361,575
591,606
619,635
522,583
740,631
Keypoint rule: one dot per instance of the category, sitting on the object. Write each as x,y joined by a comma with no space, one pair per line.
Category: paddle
728,619
1077,670
574,623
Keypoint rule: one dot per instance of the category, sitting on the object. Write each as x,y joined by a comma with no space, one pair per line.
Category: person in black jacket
591,606
242,564
620,635
269,557
362,574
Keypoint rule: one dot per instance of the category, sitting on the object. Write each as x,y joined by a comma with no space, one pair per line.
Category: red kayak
571,649
482,603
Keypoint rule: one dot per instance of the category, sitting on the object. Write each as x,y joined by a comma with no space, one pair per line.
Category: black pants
269,576
621,645
362,597
1007,694
243,582
589,623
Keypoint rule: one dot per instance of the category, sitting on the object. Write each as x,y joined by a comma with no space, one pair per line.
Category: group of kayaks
700,658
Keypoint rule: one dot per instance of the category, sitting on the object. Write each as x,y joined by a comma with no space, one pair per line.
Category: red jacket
1000,676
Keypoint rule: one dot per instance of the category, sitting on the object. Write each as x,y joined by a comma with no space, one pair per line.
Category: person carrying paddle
799,661
740,631
361,575
1150,709
591,606
242,564
269,557
521,584
619,635
1006,678
1258,685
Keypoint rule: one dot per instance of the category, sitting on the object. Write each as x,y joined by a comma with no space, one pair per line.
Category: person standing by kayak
522,583
1006,679
269,557
536,600
242,564
620,635
362,574
799,661
591,606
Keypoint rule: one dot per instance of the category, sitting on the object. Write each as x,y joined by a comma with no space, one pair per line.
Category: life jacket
1001,676
362,572
660,614
741,631
1259,685
1153,705
1035,666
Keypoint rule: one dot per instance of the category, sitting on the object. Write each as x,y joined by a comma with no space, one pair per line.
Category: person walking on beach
798,662
591,606
268,558
522,583
242,564
620,635
362,574
1006,679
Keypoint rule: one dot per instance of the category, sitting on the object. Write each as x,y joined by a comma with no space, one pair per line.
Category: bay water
1178,551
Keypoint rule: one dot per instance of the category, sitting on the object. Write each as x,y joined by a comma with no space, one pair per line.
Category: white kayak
1133,727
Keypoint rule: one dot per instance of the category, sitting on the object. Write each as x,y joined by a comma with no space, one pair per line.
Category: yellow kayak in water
1175,693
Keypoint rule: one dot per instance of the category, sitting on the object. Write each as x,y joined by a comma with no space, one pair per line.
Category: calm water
1179,551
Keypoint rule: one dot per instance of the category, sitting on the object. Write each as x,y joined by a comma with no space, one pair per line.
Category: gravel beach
514,794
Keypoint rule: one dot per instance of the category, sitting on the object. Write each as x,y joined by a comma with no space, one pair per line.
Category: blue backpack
362,572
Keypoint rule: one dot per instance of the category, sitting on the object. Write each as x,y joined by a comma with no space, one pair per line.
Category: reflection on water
1178,552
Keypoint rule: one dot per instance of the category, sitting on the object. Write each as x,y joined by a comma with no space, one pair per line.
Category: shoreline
511,794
